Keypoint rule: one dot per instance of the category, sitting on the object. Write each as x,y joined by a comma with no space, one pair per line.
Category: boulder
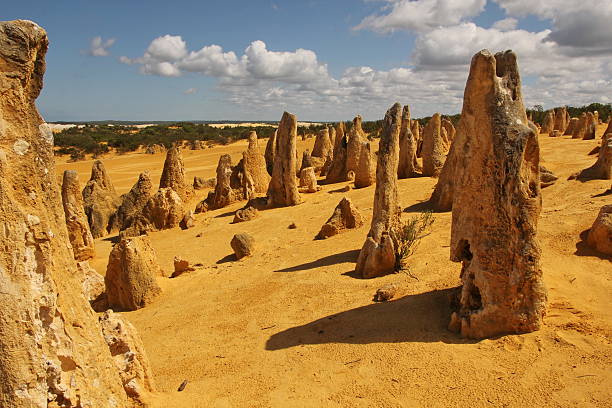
181,266
130,274
52,348
76,222
283,189
378,254
386,292
496,206
345,216
173,175
243,245
600,234
245,214
188,221
308,181
100,201
547,177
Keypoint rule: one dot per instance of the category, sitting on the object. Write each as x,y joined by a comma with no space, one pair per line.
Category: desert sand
294,326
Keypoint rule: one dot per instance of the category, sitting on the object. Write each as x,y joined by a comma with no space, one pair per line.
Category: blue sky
322,60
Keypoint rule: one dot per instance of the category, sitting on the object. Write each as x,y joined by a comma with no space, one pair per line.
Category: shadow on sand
342,257
414,318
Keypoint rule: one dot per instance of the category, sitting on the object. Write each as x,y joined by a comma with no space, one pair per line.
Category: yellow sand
293,326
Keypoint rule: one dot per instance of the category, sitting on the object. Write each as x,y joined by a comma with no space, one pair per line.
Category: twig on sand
268,327
182,386
354,361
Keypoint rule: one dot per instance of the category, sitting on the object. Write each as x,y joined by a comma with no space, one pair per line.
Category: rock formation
408,165
608,129
496,206
78,229
155,149
134,201
378,254
322,147
332,137
547,177
590,127
434,148
549,123
188,221
164,210
228,187
129,355
200,183
600,234
173,175
100,201
92,282
130,274
337,169
364,174
243,245
283,190
53,352
254,164
560,119
270,151
602,169
308,181
356,141
573,123
345,216
450,130
181,266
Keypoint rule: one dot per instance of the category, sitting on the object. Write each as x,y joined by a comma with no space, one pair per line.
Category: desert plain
293,325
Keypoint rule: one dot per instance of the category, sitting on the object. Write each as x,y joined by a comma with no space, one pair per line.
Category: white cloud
420,15
190,91
579,27
99,47
506,24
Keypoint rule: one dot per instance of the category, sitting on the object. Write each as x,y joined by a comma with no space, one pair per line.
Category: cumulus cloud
420,15
579,27
506,24
99,47
190,91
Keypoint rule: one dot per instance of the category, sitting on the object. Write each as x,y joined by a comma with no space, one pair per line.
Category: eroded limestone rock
283,189
100,201
78,228
345,216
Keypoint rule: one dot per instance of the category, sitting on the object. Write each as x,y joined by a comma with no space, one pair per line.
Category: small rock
243,245
181,266
292,226
385,293
245,214
188,221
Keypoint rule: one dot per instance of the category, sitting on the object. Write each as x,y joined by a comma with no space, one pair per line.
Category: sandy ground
293,326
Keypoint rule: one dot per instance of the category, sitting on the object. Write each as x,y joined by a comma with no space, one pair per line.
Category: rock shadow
421,318
421,206
226,259
583,249
347,256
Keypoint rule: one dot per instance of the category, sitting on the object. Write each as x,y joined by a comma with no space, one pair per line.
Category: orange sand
293,326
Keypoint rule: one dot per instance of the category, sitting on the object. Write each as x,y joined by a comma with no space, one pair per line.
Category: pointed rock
283,189
78,228
345,216
100,201
173,175
434,147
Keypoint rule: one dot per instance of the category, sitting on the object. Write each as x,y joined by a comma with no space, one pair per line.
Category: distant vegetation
539,114
97,138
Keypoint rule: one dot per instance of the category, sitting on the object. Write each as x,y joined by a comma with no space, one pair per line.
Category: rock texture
173,175
100,201
229,188
356,141
245,214
560,119
130,274
345,216
547,177
549,123
129,355
283,189
377,256
434,147
590,127
92,282
200,183
78,229
600,234
53,352
164,210
448,126
569,130
496,206
243,245
188,221
408,165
